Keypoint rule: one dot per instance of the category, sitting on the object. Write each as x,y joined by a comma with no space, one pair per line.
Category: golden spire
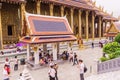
112,13
94,3
119,17
100,7
105,11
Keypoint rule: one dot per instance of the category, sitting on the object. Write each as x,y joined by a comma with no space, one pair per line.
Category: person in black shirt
75,61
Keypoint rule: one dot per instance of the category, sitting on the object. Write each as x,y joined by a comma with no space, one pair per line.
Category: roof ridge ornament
94,3
112,13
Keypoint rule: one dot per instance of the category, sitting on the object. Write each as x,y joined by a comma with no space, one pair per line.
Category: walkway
105,76
65,71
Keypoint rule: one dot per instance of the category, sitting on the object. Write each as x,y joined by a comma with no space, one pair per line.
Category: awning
48,39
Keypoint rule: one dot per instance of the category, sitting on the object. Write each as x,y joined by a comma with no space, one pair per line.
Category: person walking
81,67
92,45
7,63
71,57
5,73
52,73
56,68
16,64
75,60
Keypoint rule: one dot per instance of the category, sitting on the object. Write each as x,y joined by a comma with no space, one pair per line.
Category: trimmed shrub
111,56
111,47
102,59
117,38
117,53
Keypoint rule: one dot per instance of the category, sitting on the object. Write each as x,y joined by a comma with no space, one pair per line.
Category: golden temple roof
13,1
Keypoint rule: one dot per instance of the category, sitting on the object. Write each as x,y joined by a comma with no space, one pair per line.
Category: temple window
9,28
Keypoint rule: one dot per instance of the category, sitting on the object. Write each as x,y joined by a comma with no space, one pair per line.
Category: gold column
22,9
111,21
51,9
62,11
79,19
100,23
62,14
86,26
105,26
71,15
38,3
1,37
93,26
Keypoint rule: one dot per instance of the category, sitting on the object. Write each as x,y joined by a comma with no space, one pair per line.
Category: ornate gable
112,29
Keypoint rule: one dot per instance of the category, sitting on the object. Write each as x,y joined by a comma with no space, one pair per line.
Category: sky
110,6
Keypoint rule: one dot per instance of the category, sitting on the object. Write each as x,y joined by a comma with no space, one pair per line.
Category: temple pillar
62,11
79,23
86,26
38,3
51,9
1,37
69,46
28,52
100,23
22,9
36,55
45,47
54,49
93,26
105,26
111,21
71,15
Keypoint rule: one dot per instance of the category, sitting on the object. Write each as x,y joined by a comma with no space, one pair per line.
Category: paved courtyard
65,71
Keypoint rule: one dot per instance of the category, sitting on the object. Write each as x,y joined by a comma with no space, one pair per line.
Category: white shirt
7,63
52,72
16,61
82,68
5,74
71,55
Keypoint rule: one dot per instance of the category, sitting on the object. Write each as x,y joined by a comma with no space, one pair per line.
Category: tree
117,38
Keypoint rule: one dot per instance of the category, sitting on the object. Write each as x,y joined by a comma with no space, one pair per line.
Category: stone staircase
105,76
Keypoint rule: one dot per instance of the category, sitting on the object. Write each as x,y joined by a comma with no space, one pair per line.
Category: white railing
108,66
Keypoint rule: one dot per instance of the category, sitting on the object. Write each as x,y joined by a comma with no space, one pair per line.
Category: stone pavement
65,71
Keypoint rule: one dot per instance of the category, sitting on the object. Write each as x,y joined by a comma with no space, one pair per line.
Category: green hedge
112,50
117,38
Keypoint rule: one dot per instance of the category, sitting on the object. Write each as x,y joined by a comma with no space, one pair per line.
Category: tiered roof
47,29
72,3
100,12
82,4
114,29
13,1
117,25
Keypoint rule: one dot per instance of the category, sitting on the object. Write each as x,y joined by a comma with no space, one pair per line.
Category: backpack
85,69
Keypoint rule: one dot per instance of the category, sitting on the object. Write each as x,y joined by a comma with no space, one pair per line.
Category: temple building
113,30
39,33
86,20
